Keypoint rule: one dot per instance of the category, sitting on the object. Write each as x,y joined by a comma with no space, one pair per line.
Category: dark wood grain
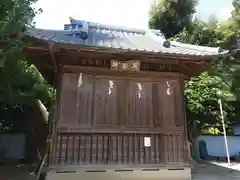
104,120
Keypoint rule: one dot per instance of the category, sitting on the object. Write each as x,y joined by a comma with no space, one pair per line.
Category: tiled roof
108,36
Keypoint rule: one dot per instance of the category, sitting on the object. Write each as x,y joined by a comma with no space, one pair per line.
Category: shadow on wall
12,146
213,147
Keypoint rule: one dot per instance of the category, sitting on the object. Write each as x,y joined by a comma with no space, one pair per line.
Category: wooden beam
113,129
187,70
66,57
108,72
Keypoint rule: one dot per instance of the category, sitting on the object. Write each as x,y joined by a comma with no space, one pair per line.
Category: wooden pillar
55,119
184,108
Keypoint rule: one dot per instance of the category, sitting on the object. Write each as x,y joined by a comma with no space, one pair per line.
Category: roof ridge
118,27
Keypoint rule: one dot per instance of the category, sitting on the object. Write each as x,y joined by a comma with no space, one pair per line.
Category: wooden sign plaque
131,65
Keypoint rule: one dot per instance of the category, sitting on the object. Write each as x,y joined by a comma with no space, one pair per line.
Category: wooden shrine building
120,102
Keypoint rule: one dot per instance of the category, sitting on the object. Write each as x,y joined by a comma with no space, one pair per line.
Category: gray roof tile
124,39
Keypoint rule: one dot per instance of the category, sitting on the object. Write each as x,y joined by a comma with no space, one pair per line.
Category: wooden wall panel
84,99
123,104
76,100
139,109
121,90
68,101
166,94
109,101
105,104
178,104
88,100
173,149
158,103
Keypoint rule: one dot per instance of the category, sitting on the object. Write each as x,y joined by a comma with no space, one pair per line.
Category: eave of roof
124,40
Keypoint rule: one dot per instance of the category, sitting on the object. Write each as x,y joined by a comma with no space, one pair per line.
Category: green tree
224,75
201,33
236,15
202,95
172,16
219,78
201,91
14,17
20,82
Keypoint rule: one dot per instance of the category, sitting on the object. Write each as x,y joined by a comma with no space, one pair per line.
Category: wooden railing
118,148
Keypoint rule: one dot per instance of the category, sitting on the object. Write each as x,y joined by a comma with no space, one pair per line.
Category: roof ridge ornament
78,28
165,43
71,19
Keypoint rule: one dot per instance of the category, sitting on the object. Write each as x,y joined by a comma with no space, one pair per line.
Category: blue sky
128,13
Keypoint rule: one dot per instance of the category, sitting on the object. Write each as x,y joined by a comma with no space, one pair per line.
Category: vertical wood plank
84,99
122,104
68,109
105,104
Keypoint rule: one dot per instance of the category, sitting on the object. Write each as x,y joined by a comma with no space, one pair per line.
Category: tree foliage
20,82
14,17
236,16
201,33
201,91
172,16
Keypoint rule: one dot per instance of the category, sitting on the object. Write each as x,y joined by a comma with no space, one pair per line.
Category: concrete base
165,174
